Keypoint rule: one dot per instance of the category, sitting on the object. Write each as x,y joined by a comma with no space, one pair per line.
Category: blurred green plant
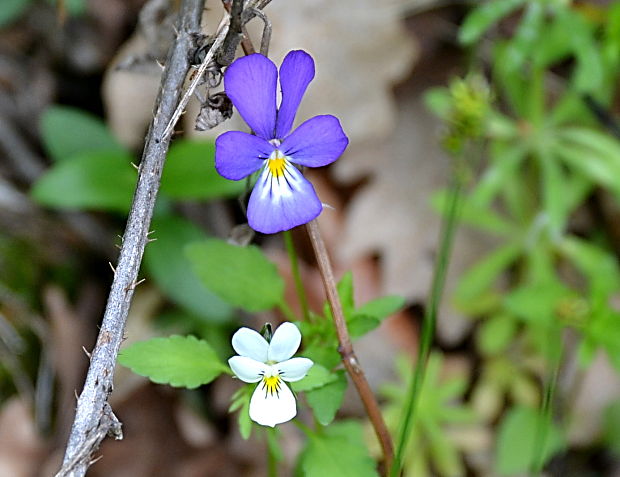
547,156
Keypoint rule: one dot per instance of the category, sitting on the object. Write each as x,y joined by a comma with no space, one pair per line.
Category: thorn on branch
86,352
112,267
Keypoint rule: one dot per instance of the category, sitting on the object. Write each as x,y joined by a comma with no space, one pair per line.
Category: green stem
299,287
272,461
540,440
286,311
430,317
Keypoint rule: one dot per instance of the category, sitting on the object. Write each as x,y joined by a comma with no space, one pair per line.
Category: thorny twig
94,418
345,348
221,42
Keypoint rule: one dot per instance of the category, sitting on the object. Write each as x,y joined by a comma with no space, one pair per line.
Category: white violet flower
270,364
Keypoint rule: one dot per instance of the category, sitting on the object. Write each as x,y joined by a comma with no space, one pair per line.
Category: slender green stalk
272,461
430,317
299,287
546,412
286,311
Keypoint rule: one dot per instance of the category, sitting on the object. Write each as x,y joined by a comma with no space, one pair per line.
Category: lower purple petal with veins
283,202
239,154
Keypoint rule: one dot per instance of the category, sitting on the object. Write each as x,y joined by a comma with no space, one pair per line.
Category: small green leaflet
180,361
241,401
317,377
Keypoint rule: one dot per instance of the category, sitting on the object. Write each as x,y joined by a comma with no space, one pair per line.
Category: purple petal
296,72
239,154
281,203
317,142
250,83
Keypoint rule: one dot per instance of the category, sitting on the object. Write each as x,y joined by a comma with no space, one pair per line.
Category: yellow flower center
276,166
271,384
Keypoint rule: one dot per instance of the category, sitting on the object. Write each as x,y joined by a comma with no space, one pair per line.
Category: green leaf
190,173
11,10
345,292
99,180
317,377
517,440
69,131
359,325
536,303
526,38
483,17
326,400
180,361
495,334
338,450
326,355
381,308
172,271
482,275
242,276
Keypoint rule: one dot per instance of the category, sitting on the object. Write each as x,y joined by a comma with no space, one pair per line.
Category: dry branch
94,418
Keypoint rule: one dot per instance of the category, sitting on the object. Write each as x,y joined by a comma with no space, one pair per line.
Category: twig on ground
345,348
94,418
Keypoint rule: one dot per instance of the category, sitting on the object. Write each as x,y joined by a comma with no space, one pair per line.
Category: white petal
285,342
250,344
294,369
247,369
270,409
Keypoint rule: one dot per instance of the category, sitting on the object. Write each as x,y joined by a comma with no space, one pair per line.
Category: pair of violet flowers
282,198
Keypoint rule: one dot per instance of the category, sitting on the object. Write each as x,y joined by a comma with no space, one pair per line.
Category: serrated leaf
317,376
190,173
338,451
326,400
99,180
483,17
67,132
516,449
180,361
171,270
242,276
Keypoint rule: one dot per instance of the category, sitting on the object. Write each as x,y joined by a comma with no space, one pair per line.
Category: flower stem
292,256
345,348
428,325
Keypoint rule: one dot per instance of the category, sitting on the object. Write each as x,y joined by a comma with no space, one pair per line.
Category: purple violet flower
282,198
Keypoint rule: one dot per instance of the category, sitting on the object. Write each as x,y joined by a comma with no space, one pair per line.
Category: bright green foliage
430,445
102,180
172,271
327,399
317,377
68,132
242,276
496,333
190,173
337,450
517,446
180,361
241,401
11,10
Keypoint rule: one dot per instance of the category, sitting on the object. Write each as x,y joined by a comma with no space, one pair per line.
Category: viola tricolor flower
282,198
270,364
